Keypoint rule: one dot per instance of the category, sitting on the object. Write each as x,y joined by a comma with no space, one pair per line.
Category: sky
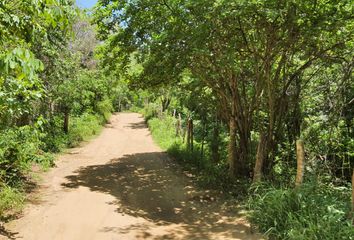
86,3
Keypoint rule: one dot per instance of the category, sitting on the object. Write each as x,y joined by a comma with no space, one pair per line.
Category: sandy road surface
122,186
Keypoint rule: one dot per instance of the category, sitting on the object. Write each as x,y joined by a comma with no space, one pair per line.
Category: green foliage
150,111
82,128
22,25
10,199
163,132
105,108
19,149
313,211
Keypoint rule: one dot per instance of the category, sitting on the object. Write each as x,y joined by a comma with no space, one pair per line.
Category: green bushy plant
19,147
10,199
53,137
83,127
312,211
105,108
150,111
164,132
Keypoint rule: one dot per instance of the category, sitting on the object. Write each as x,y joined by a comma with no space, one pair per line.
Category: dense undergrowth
313,211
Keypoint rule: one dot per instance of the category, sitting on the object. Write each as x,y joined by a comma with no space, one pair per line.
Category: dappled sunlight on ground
150,186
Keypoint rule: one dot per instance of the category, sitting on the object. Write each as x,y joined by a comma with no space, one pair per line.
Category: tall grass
10,199
83,127
164,133
312,211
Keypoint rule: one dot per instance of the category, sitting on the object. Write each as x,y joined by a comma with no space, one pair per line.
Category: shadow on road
7,234
138,125
150,186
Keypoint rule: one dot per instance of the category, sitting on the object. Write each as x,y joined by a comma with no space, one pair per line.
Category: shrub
10,199
19,147
150,111
163,131
105,108
312,211
83,127
53,137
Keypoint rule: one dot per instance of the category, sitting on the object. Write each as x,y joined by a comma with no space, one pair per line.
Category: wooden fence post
300,157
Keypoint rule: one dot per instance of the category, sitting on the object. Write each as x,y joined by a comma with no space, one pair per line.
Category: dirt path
122,186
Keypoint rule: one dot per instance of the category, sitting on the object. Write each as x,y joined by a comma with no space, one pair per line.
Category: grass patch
163,132
83,128
11,200
313,211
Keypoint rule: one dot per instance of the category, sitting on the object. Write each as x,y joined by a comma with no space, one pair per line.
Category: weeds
10,199
313,211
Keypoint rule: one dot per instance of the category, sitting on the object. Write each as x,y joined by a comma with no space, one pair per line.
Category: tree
22,26
255,56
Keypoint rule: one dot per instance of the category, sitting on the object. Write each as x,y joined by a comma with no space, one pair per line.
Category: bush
53,137
163,131
105,108
150,111
83,127
10,199
311,211
19,148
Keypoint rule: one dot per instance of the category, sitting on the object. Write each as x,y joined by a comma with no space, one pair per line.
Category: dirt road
122,186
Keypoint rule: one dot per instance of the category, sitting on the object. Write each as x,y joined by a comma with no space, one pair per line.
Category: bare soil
122,186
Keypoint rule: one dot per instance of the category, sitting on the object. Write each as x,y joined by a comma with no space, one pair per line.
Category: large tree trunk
232,148
257,172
